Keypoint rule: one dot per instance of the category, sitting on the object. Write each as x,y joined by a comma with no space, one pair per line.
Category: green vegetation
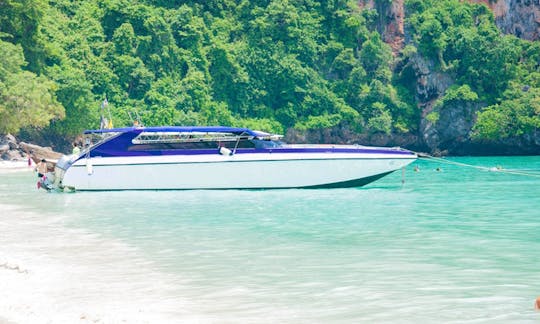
270,65
25,98
501,72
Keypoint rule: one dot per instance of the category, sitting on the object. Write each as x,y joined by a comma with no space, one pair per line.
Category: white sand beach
16,166
54,274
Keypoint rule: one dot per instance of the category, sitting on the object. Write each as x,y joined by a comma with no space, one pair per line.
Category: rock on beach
12,150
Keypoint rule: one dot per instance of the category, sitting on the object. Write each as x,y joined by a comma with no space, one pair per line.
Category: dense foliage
266,64
497,71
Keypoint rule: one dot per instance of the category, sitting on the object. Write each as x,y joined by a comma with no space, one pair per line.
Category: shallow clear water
457,245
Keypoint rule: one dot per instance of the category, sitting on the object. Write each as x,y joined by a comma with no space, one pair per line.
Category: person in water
41,168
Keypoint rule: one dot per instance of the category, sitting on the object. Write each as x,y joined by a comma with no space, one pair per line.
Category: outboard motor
60,169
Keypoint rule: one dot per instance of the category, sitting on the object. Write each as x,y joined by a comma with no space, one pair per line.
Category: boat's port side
215,157
241,171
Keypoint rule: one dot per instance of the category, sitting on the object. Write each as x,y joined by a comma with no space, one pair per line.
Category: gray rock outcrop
11,150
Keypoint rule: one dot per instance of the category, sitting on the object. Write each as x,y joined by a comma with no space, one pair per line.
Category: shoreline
16,166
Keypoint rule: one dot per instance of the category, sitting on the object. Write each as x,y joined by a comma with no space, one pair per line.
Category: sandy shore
5,321
15,166
53,273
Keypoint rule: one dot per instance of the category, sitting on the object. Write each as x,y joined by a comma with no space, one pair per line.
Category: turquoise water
457,245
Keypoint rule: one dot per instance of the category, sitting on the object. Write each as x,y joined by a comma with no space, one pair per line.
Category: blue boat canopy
180,129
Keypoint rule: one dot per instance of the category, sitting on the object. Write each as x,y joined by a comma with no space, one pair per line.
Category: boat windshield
152,141
188,137
90,140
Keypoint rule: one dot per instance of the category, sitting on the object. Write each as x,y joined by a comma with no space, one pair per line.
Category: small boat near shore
215,157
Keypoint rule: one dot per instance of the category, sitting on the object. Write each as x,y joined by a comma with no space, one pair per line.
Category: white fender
225,151
89,167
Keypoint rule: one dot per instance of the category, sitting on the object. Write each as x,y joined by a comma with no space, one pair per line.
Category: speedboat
215,157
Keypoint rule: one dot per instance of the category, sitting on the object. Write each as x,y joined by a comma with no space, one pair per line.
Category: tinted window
201,145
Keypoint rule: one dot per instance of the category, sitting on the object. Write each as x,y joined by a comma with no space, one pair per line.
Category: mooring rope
478,167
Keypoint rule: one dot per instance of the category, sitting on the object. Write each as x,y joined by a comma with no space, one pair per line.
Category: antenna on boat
138,120
135,121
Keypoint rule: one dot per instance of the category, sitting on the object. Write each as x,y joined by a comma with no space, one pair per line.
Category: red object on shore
537,304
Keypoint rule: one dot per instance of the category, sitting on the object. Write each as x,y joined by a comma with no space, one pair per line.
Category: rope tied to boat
498,169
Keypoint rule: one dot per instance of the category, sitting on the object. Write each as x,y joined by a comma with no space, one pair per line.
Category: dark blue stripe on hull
349,184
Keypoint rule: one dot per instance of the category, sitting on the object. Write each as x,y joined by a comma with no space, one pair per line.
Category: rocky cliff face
450,133
431,84
391,21
517,17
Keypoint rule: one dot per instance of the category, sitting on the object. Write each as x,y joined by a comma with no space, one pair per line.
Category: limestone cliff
391,21
450,132
517,17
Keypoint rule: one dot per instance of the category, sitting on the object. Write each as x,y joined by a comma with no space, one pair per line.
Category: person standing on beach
41,168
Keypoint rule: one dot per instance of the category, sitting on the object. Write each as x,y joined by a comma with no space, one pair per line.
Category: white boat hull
240,171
